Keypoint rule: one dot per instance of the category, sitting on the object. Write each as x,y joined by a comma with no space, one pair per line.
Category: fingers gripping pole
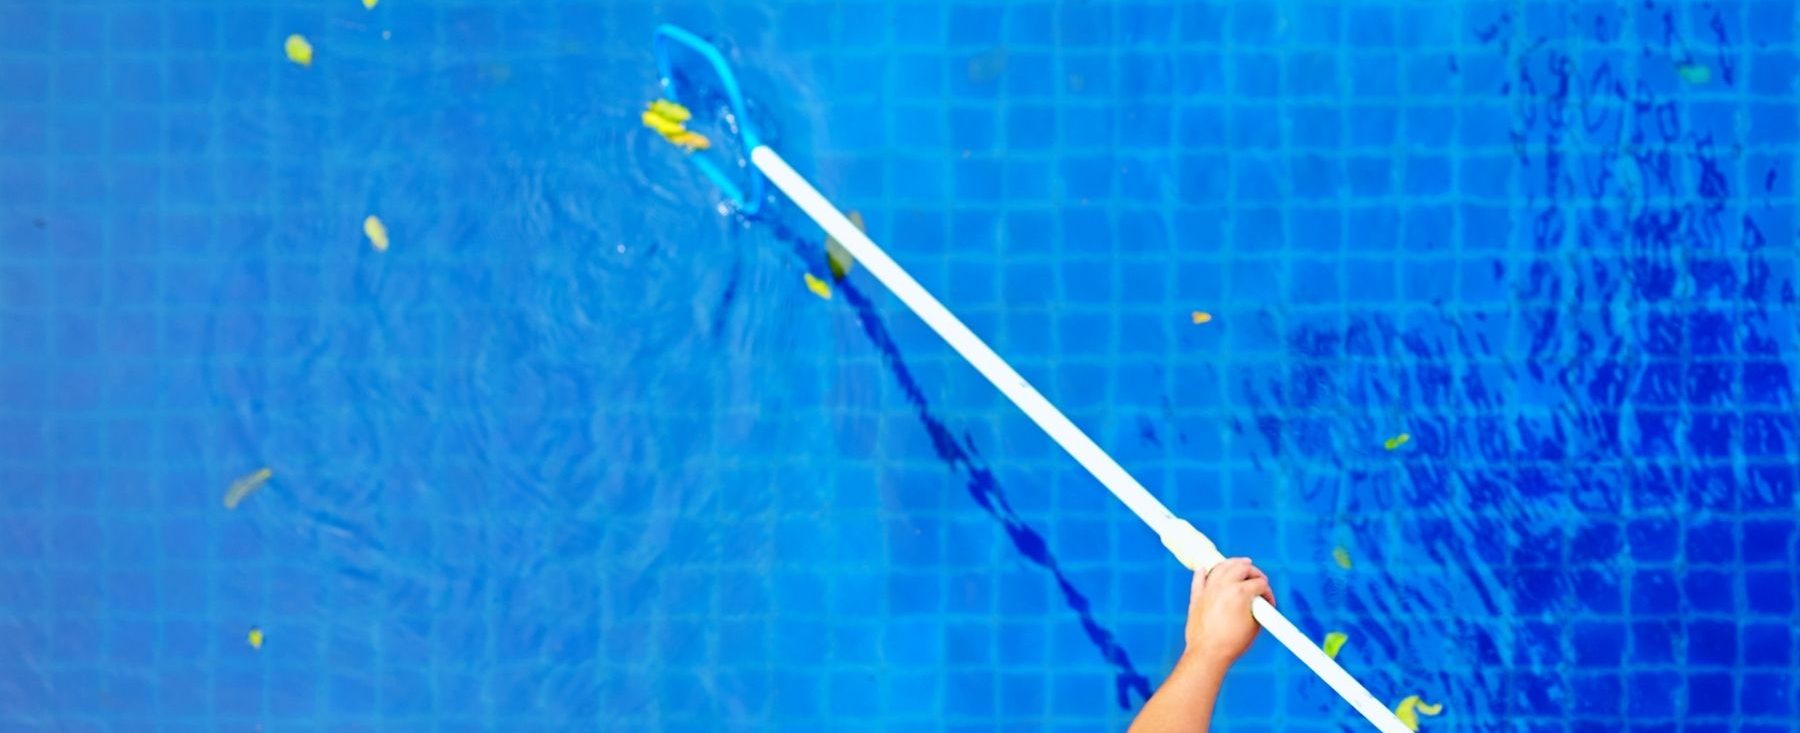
1188,544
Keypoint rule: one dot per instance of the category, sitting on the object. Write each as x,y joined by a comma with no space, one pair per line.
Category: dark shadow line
982,485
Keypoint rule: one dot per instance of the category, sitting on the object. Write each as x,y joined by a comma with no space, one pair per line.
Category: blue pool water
579,451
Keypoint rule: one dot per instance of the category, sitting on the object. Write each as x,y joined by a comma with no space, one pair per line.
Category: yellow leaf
670,110
243,486
818,287
1404,711
1342,556
691,141
370,4
1397,441
664,126
256,638
376,232
1409,710
1202,317
298,50
1333,642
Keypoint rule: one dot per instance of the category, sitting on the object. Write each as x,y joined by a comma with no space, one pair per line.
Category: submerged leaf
244,486
836,256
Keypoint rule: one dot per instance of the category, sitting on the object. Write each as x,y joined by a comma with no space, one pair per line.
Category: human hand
1219,626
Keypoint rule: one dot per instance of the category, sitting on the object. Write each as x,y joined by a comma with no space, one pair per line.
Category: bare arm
1184,701
1219,630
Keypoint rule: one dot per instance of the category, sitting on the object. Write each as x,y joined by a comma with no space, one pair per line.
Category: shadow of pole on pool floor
981,485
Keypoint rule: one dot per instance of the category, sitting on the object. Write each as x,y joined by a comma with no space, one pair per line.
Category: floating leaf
666,119
670,111
1333,642
370,4
298,50
256,638
818,287
243,486
836,256
1409,710
1202,317
1342,556
1397,441
691,141
377,233
664,126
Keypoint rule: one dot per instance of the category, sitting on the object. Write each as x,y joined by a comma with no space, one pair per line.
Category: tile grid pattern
1054,234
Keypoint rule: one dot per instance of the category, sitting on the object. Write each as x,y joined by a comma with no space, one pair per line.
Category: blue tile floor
578,451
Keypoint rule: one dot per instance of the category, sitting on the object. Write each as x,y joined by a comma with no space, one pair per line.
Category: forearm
1184,702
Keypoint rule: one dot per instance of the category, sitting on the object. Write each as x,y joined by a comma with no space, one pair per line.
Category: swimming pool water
578,451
